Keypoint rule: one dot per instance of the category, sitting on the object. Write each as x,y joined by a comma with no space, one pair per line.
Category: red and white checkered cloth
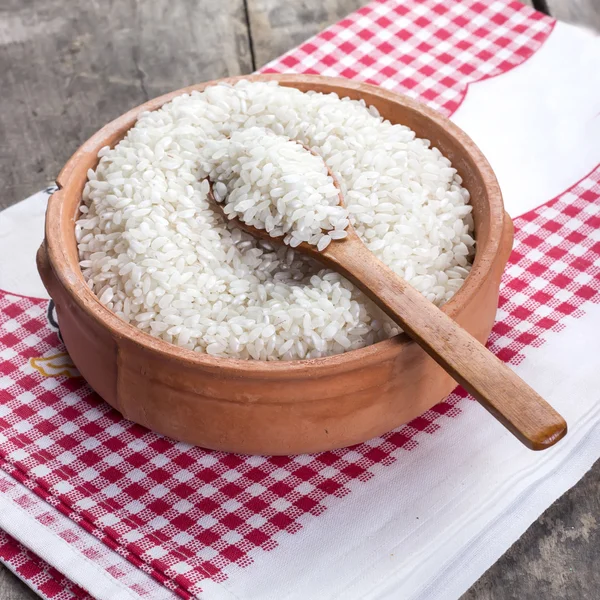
430,50
167,505
39,576
84,545
217,525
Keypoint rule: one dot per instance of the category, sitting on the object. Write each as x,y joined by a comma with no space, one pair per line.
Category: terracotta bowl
260,407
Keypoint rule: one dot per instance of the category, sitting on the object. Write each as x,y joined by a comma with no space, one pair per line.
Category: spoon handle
501,391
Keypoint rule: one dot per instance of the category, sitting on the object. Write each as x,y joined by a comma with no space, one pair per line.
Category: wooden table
67,67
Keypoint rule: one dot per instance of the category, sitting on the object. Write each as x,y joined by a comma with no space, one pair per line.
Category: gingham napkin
418,513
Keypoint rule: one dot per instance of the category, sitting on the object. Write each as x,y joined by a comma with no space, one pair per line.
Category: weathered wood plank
277,25
557,557
580,12
67,67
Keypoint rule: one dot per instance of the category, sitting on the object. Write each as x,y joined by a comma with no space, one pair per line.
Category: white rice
273,183
158,254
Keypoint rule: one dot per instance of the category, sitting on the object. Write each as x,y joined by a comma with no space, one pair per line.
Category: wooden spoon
501,391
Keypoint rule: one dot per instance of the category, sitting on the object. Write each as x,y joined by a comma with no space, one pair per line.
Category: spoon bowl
262,234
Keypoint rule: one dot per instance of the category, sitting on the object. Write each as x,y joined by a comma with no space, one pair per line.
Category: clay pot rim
72,179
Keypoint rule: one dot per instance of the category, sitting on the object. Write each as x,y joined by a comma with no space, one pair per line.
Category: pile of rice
158,253
273,183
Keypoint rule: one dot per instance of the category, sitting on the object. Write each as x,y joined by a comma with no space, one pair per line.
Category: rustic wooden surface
277,25
557,558
67,67
581,12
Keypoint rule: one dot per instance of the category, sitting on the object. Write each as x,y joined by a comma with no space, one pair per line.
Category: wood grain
277,26
579,12
68,67
557,557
